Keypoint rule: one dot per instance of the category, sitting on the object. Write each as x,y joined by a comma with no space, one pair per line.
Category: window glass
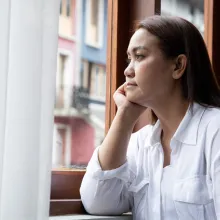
61,7
68,7
191,10
79,108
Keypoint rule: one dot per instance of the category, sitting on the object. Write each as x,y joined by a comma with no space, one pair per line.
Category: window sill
66,37
95,45
89,217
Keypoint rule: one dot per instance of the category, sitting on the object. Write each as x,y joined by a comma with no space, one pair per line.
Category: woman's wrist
127,116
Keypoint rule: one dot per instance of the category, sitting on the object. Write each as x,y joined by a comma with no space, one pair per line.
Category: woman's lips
131,84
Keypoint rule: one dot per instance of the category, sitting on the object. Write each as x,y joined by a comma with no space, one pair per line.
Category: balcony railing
76,97
80,98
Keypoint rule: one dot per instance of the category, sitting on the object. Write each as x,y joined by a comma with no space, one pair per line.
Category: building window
94,22
97,86
85,74
62,65
65,7
61,81
68,8
61,7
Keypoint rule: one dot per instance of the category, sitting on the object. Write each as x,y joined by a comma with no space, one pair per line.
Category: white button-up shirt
188,190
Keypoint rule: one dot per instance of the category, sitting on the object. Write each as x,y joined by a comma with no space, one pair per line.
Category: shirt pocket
140,195
193,199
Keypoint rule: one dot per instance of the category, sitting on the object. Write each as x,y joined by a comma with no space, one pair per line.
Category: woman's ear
180,66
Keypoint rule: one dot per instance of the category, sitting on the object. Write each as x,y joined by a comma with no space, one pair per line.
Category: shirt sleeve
106,192
215,172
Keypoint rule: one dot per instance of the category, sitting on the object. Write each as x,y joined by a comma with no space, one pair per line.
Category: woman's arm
106,192
104,189
112,152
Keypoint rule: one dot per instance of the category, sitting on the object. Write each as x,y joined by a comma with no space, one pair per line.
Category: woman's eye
138,57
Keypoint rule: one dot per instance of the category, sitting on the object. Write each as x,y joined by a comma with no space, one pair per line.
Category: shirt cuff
94,169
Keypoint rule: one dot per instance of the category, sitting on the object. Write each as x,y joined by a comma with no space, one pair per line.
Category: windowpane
79,110
61,7
191,10
68,7
60,90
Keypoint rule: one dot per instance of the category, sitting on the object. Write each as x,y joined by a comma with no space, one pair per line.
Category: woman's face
149,74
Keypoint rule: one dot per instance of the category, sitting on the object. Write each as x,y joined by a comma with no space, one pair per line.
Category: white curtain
28,49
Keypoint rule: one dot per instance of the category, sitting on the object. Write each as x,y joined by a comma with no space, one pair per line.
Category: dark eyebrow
137,48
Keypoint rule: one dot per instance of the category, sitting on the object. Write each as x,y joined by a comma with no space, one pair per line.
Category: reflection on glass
191,10
79,108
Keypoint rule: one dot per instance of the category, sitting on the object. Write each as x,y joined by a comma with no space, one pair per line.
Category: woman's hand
123,104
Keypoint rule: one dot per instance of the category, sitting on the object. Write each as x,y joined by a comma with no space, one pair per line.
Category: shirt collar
187,131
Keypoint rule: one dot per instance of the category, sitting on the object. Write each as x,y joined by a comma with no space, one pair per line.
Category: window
98,85
67,19
192,11
64,186
65,7
87,114
88,82
68,8
94,22
85,74
89,87
60,90
61,7
79,112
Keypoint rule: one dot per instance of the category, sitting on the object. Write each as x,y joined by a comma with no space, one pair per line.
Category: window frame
65,185
212,33
65,198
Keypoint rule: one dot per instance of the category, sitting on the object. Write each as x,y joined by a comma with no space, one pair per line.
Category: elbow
97,206
90,204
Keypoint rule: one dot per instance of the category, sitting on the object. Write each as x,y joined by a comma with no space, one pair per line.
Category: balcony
80,98
71,101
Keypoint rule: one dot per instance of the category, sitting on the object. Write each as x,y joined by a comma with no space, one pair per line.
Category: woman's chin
134,100
131,98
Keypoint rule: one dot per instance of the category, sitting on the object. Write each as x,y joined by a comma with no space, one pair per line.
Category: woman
169,170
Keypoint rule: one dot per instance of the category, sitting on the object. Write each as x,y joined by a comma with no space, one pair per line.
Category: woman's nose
129,71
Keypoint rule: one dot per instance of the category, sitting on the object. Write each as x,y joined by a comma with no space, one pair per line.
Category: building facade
79,111
93,62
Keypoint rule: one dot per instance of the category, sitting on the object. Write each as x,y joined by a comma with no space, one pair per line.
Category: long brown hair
178,36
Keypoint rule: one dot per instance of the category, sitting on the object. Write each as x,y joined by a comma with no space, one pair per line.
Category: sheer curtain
28,49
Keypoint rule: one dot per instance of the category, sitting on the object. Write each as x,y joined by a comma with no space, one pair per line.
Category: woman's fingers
122,89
